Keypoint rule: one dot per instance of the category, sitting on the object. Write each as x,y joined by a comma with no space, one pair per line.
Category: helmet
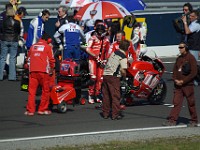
100,28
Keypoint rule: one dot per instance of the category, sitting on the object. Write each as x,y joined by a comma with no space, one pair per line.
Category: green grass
185,143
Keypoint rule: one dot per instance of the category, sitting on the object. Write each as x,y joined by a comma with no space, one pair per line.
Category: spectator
187,8
184,72
193,33
71,37
9,43
98,46
36,28
2,17
41,65
21,13
62,17
115,68
178,23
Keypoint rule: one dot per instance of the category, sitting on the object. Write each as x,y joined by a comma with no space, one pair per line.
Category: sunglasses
181,47
185,9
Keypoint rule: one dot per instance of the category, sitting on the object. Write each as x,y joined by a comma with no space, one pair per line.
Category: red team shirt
41,57
115,46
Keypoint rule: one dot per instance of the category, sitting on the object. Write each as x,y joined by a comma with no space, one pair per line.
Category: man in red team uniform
98,46
115,46
41,65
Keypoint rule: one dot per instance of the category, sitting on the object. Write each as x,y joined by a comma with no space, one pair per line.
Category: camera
179,25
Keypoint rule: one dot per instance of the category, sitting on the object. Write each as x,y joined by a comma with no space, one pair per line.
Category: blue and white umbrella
131,5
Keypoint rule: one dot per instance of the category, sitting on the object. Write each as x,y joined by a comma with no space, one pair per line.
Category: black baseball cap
22,9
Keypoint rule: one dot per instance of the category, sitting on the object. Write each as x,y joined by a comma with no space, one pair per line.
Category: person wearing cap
21,13
36,28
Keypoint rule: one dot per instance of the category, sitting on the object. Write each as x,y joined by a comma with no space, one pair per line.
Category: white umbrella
75,3
101,10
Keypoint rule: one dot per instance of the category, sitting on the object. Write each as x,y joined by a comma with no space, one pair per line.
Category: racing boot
91,99
99,99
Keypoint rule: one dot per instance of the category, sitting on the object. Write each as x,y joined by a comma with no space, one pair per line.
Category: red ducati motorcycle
144,81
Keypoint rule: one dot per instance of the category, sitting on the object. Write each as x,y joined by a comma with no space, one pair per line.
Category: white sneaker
91,99
98,99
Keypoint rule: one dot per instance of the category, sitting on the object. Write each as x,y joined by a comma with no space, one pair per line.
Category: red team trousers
35,79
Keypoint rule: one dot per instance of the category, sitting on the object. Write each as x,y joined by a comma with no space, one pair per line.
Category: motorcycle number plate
65,67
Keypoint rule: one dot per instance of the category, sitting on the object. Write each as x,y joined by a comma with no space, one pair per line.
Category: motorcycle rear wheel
158,94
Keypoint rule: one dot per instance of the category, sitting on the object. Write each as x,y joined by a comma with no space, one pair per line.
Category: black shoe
14,80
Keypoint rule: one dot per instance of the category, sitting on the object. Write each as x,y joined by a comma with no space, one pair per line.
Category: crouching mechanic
98,46
114,69
71,37
41,65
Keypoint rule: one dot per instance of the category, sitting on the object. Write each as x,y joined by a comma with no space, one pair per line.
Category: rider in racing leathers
71,37
139,38
98,46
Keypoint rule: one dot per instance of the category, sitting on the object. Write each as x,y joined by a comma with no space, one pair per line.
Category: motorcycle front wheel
158,94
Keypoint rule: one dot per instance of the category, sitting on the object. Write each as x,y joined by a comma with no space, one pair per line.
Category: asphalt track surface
81,118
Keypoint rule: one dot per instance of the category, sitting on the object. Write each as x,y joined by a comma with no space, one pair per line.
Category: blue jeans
195,54
72,51
10,47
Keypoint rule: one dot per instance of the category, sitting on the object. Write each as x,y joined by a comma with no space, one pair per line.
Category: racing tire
62,107
158,94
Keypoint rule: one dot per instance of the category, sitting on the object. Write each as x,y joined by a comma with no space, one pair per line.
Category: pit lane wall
161,35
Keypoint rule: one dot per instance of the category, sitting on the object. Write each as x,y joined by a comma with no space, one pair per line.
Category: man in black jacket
9,43
62,17
61,20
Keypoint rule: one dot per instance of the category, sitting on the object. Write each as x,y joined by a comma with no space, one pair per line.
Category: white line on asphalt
168,72
171,105
168,62
94,133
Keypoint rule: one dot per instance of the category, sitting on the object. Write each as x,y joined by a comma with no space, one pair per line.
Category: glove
97,59
51,72
60,48
26,66
101,63
20,43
